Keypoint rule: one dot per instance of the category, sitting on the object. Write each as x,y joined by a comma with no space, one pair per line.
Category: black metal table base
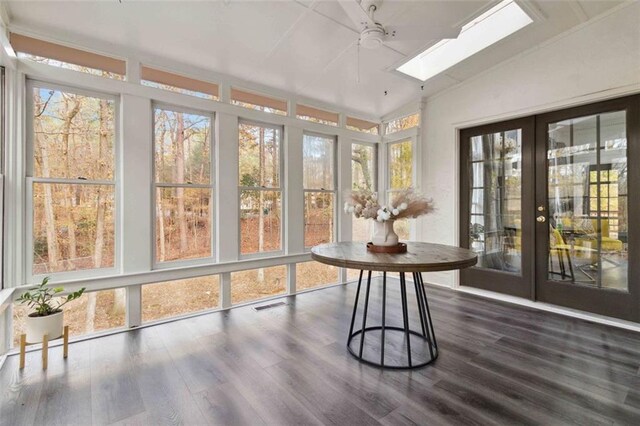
420,357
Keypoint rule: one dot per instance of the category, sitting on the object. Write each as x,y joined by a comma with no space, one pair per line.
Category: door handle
541,219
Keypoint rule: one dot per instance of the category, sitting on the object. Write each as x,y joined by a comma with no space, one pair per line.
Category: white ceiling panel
305,47
310,46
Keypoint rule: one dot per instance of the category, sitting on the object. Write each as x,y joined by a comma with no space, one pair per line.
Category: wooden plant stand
45,348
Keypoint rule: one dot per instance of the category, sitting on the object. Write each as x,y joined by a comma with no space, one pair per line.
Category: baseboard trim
600,319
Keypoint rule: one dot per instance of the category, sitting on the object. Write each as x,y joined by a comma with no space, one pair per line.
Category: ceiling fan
373,34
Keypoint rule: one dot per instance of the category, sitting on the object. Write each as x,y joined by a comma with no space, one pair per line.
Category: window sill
170,274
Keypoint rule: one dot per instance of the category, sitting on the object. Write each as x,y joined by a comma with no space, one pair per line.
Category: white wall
598,60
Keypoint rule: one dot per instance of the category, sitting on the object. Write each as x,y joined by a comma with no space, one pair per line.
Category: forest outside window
402,123
363,178
183,184
260,170
400,160
72,168
319,188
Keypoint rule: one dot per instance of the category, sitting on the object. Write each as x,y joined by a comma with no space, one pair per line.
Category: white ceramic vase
383,233
51,325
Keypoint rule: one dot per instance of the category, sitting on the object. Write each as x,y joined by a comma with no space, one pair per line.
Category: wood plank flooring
288,365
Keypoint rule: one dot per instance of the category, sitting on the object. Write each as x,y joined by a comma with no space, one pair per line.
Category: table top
420,257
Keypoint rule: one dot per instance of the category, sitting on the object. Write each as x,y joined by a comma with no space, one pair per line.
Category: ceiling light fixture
499,22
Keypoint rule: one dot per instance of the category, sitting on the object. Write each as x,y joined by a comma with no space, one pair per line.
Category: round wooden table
420,257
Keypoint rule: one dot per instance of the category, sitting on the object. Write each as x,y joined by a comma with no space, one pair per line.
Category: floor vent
269,306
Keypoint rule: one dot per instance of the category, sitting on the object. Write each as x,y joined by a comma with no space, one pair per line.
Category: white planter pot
383,234
51,325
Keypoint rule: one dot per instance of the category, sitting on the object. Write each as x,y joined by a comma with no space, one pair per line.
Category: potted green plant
47,317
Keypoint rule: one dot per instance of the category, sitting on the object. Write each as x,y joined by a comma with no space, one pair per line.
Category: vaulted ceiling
306,47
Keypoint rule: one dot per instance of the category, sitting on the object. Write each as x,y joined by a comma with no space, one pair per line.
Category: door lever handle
541,219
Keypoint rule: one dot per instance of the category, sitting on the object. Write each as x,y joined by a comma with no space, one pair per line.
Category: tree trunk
69,193
161,238
119,301
182,220
49,215
91,311
261,203
100,213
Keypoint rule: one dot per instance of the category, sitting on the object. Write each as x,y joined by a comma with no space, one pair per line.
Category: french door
497,205
548,204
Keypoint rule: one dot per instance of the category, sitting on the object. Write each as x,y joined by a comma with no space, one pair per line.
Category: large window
260,168
319,189
363,177
73,179
400,177
183,185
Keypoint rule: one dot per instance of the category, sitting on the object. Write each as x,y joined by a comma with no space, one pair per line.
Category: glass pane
495,231
403,229
587,201
73,135
94,311
363,167
315,274
401,165
176,89
318,218
259,156
402,123
317,162
258,283
172,298
183,223
73,227
69,66
260,221
182,147
361,229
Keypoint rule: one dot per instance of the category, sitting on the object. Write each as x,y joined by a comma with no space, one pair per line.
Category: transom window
402,123
67,57
319,188
260,169
183,184
72,179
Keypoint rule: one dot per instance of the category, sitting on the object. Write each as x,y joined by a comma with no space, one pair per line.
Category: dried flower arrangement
404,204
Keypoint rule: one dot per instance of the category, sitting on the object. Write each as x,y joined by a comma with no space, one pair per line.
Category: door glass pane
587,201
495,170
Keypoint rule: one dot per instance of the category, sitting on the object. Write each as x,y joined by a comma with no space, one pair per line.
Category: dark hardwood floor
498,364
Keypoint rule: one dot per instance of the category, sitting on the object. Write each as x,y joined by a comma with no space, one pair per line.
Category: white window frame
30,180
280,188
334,191
155,185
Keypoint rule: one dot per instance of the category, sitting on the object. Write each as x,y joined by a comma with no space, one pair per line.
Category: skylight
492,26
